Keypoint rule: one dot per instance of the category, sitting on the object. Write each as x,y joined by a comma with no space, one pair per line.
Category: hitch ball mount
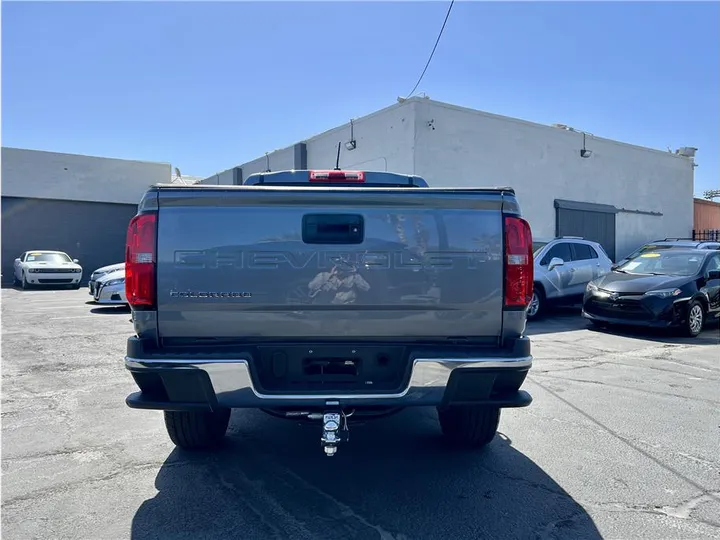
334,429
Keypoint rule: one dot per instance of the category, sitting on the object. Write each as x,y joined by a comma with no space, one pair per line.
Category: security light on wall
352,143
584,152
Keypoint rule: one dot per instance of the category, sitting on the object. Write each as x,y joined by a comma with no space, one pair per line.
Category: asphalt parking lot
622,441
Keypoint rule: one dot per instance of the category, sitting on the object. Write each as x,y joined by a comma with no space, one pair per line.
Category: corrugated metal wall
707,215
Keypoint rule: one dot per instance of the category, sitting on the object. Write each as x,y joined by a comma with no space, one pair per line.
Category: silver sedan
110,288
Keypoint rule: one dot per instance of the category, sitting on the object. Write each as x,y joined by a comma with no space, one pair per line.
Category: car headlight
664,293
591,286
115,282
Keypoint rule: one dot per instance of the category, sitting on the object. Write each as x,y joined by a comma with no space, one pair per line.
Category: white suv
563,268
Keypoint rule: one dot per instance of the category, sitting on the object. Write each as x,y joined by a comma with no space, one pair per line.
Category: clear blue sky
209,86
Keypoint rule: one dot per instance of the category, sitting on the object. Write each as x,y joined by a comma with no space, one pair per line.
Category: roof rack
573,237
677,240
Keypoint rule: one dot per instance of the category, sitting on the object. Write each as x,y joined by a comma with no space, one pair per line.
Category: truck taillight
518,262
140,259
354,177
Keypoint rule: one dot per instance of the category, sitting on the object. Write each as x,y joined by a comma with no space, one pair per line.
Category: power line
433,50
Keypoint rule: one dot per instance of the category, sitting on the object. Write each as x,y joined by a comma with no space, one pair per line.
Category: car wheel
197,430
695,319
537,304
471,426
24,284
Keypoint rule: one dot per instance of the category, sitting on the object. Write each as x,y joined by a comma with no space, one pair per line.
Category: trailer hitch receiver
334,432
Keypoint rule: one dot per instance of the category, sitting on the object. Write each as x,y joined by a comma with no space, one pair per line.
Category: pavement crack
547,530
67,486
681,511
345,509
630,443
631,388
281,523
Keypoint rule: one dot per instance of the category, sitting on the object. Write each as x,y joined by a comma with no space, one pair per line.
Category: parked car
563,268
204,271
110,288
671,243
665,288
97,274
43,267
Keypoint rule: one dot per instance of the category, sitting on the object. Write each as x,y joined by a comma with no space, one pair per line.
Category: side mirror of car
76,261
555,262
713,274
17,260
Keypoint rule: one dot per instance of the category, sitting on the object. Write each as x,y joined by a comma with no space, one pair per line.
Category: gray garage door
92,232
592,221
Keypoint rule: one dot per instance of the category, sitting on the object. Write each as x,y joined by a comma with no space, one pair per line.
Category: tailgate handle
333,229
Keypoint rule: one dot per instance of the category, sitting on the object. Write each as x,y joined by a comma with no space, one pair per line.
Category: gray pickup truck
328,297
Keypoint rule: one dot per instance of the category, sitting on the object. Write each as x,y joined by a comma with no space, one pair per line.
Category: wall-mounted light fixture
352,143
584,152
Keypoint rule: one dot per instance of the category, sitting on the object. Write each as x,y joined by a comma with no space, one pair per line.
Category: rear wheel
197,430
695,319
471,426
537,303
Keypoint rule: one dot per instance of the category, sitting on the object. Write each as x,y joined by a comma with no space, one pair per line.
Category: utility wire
433,50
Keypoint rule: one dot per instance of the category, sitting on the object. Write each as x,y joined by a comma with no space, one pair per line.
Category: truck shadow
395,479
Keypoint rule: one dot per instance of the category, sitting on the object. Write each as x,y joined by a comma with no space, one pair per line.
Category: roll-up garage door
591,221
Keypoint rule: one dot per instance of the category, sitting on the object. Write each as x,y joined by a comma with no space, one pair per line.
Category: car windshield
537,246
666,262
47,257
655,247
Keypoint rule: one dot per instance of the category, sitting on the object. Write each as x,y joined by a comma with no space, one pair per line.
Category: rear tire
197,430
469,426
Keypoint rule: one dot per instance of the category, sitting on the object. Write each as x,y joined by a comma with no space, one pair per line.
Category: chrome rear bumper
231,384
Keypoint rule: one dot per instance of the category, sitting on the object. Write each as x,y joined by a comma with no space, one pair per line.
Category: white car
97,274
43,267
110,288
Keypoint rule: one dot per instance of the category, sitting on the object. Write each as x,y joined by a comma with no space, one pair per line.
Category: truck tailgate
335,263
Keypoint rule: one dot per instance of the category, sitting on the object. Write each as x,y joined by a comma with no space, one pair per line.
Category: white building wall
384,142
455,146
221,178
279,160
50,175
